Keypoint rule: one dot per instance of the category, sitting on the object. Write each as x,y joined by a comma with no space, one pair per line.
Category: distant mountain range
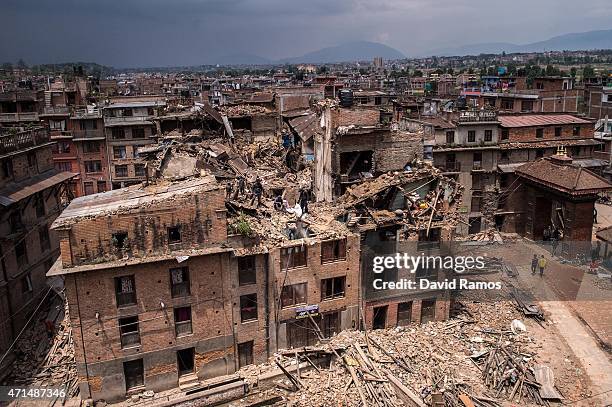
351,51
601,39
366,51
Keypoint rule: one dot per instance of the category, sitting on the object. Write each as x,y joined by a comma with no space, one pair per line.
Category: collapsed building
251,263
357,143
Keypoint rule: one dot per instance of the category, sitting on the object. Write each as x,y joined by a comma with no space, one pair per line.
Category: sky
146,33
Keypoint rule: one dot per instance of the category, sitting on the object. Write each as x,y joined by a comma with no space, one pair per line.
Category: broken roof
561,174
306,126
125,199
540,120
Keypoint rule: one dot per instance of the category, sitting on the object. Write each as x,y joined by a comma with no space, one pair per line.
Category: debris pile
244,110
473,358
45,353
509,373
431,200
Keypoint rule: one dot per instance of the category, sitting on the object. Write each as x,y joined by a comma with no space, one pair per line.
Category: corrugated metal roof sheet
540,120
306,126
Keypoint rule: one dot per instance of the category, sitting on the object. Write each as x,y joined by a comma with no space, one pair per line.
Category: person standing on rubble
228,190
239,191
304,198
542,265
257,192
278,202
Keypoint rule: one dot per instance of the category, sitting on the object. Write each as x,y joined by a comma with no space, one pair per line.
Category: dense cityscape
216,234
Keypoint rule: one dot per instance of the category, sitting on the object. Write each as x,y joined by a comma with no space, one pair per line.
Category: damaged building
129,125
356,143
32,194
250,264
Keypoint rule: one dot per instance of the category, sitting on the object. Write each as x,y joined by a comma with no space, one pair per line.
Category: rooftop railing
14,142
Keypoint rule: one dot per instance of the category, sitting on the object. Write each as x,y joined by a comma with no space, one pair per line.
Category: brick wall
201,221
355,116
442,310
392,150
216,326
527,134
312,274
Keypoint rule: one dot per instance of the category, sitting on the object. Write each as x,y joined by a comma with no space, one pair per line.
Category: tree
417,73
21,64
322,69
552,71
588,72
573,72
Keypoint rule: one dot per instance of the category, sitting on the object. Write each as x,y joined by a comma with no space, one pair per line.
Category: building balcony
92,134
56,111
10,143
127,120
450,167
18,117
87,113
478,116
60,134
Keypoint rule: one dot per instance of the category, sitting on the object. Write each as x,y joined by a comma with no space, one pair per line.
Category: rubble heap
44,361
473,358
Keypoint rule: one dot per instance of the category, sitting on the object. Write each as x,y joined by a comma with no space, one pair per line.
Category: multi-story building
128,125
165,298
32,194
546,95
358,142
481,148
20,107
467,151
89,141
598,101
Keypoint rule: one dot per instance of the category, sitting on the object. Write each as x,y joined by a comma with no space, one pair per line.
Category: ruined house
356,143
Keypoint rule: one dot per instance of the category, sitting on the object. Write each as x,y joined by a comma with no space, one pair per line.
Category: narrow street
560,310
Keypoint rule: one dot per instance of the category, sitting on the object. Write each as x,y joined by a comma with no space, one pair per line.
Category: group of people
237,188
538,263
234,191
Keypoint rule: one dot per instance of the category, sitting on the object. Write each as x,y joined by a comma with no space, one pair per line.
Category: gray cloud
180,32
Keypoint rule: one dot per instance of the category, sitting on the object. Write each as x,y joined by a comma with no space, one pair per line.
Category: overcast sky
135,33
